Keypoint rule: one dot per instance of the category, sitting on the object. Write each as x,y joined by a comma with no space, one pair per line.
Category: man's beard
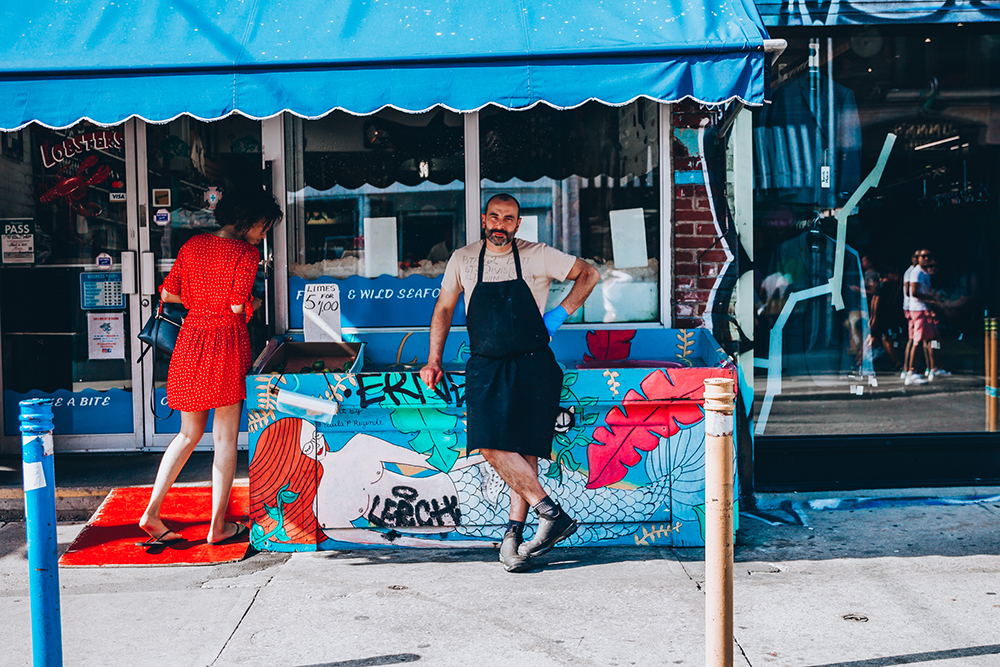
499,233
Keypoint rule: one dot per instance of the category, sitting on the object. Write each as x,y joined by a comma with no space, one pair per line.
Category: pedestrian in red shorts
918,315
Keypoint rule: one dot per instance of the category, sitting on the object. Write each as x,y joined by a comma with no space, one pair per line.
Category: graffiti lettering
408,389
394,389
407,511
370,389
450,391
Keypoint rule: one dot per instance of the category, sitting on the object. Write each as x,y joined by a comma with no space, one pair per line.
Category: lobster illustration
71,190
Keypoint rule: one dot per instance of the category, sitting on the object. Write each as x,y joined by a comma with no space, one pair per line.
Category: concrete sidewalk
913,583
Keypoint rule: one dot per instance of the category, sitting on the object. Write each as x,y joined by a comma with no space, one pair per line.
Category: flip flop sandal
159,541
241,530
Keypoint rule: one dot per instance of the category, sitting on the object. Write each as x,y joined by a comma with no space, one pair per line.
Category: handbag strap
152,380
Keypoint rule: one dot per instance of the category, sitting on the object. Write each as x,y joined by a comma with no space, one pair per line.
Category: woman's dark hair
245,207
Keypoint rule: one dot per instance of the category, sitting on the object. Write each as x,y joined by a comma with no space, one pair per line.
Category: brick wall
694,228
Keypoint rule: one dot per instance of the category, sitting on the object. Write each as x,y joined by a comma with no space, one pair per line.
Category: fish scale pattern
604,514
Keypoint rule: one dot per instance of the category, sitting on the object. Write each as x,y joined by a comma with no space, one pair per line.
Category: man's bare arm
585,278
444,309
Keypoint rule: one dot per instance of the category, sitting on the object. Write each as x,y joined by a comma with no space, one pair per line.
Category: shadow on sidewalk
397,659
911,658
560,558
902,531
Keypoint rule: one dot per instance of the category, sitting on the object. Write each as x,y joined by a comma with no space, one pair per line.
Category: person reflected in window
887,317
918,315
212,276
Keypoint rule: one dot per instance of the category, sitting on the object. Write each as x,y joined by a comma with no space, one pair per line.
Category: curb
71,504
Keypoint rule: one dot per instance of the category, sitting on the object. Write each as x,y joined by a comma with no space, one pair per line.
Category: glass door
67,283
189,167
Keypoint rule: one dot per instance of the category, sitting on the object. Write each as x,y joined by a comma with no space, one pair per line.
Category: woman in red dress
212,276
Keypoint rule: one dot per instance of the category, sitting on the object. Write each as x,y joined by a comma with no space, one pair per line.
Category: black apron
512,380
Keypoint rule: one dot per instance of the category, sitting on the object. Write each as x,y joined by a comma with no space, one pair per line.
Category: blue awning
66,60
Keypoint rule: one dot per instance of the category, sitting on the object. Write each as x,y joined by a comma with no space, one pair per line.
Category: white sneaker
941,373
915,379
929,375
902,375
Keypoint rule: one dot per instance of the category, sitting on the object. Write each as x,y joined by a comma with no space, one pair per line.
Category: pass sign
321,313
18,241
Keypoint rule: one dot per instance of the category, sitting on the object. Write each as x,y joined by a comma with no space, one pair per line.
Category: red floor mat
109,537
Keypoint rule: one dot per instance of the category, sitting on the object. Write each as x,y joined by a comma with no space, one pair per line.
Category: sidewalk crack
681,563
236,626
742,652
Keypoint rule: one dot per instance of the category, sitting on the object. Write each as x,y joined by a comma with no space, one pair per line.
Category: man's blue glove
554,319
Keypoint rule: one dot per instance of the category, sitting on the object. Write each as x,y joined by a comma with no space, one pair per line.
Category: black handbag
160,330
160,335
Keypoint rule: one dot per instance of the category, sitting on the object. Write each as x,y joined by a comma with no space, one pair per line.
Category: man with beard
512,380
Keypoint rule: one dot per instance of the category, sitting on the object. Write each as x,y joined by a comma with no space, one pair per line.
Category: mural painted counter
391,467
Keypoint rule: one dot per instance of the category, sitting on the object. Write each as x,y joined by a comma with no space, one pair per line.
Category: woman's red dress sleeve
172,283
246,272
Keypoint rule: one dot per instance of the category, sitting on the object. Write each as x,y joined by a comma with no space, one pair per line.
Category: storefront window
587,181
834,362
192,165
376,205
65,321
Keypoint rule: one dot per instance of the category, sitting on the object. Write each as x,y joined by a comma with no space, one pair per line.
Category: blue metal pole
40,522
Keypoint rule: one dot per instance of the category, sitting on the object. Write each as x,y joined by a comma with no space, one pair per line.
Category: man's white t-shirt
922,283
540,265
907,278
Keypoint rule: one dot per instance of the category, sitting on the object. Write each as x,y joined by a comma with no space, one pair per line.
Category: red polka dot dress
212,355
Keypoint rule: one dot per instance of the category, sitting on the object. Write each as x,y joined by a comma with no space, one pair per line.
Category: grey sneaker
550,531
511,559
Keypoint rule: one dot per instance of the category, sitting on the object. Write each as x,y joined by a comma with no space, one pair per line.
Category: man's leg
521,474
518,505
908,353
930,357
514,535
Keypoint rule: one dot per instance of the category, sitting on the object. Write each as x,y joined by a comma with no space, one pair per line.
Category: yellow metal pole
987,348
719,398
992,395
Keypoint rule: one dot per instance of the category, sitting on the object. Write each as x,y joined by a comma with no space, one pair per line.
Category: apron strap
482,258
517,259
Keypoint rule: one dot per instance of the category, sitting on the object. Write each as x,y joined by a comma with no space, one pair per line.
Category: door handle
128,272
266,262
148,275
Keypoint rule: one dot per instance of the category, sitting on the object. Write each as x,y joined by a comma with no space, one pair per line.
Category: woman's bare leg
225,431
178,451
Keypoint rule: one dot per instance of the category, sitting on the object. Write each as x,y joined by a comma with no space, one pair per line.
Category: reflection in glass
587,180
922,242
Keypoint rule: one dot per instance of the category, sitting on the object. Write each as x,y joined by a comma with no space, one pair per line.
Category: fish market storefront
381,131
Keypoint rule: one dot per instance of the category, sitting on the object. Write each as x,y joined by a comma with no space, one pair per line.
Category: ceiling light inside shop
928,40
936,143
